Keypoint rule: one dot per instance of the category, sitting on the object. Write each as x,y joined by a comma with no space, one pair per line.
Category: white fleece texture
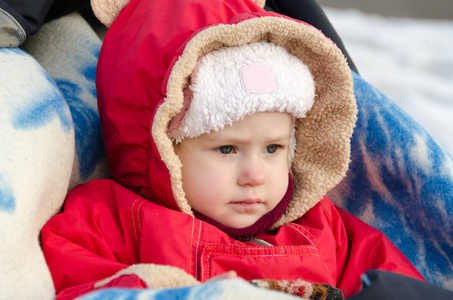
219,98
47,107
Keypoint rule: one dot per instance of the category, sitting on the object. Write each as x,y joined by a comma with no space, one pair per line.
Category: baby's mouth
246,205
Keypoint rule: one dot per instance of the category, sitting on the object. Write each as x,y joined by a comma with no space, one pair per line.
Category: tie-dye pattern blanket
50,141
218,290
400,181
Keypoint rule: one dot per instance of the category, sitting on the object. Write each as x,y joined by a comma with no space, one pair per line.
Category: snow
409,60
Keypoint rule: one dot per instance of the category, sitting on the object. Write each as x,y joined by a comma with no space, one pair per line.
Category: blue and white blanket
50,141
400,181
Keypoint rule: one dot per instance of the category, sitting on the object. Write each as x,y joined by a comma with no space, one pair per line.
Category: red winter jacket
140,231
106,227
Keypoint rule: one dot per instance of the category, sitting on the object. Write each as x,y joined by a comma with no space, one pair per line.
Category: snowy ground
409,60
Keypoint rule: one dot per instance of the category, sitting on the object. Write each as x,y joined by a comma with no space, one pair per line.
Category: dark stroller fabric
22,18
312,13
377,285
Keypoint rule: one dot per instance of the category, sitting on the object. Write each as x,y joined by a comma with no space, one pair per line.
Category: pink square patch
257,79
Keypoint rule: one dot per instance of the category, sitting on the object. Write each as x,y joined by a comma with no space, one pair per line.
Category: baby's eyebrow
240,140
226,140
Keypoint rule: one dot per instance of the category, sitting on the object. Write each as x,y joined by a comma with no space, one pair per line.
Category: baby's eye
228,149
272,148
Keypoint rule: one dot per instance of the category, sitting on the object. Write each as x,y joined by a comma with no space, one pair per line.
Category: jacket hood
149,53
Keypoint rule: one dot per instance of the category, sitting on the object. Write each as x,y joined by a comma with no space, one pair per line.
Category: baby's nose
251,173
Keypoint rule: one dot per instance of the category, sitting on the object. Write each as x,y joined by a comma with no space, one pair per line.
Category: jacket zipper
256,241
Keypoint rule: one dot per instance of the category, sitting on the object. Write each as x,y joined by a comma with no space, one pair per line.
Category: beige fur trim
108,10
323,136
261,3
155,276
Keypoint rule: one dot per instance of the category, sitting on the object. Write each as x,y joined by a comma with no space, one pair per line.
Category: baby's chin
241,223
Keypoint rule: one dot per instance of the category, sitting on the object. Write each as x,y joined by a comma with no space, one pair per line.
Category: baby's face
240,173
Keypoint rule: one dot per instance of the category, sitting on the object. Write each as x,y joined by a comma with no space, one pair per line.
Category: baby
224,132
236,140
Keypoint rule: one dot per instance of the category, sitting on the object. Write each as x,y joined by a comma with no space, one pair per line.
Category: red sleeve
366,248
91,239
125,281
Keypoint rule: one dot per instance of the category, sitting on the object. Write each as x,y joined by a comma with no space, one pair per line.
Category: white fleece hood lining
231,83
